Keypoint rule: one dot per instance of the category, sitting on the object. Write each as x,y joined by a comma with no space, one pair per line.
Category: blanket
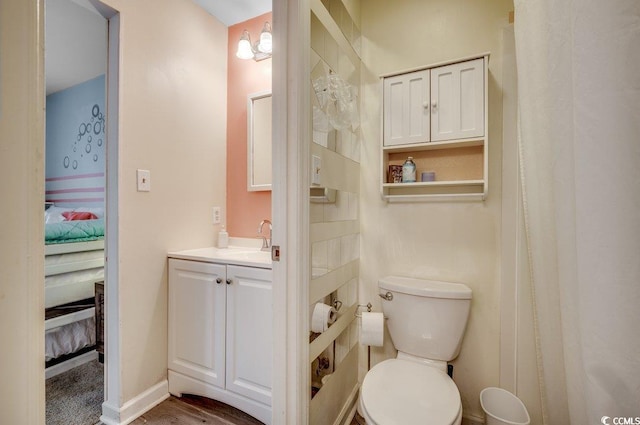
74,231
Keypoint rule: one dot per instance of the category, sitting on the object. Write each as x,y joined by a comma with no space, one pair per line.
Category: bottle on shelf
223,238
409,171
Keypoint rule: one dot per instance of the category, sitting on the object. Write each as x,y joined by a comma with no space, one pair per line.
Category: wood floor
191,410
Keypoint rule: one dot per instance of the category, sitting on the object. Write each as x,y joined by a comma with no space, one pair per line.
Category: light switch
316,166
144,180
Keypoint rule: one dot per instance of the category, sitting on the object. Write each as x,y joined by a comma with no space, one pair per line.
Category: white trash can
503,408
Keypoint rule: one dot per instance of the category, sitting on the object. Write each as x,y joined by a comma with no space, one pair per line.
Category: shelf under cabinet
453,166
433,184
437,190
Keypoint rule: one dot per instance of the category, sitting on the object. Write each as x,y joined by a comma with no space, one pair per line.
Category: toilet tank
426,318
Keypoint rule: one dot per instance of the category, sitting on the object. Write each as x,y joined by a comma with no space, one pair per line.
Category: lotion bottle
223,238
409,171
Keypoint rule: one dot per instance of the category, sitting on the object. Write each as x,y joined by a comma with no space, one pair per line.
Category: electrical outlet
216,215
144,180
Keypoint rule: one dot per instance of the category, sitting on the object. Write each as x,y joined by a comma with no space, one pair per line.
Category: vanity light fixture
260,50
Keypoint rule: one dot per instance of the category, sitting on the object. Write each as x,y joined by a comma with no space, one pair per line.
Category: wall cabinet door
457,101
249,332
406,108
197,320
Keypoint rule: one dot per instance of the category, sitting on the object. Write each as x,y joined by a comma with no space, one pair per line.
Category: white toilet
426,321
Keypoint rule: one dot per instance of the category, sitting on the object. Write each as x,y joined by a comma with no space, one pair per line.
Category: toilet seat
401,392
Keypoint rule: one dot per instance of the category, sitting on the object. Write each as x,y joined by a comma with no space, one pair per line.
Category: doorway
75,202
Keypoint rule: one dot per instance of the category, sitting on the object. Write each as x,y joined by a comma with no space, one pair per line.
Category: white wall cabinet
438,116
457,101
220,334
406,108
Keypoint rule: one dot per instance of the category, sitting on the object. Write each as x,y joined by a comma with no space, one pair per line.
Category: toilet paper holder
358,314
337,304
369,307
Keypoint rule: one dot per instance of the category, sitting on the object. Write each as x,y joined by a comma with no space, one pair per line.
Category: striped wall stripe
326,284
75,190
74,177
73,200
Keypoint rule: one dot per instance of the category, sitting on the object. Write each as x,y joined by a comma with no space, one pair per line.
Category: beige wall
22,230
447,241
172,122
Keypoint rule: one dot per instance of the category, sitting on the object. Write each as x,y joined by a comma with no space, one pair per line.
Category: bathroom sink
241,256
247,255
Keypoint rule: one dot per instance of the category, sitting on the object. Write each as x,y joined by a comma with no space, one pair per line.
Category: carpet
75,397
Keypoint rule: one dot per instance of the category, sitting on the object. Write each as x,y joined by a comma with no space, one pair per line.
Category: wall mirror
259,141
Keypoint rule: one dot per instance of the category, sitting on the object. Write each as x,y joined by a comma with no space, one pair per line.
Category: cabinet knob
229,281
425,105
434,105
219,280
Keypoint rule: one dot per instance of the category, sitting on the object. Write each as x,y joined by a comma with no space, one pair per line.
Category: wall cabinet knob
219,280
229,281
425,105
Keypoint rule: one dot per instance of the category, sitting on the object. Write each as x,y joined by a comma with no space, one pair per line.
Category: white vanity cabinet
197,320
438,116
220,334
249,333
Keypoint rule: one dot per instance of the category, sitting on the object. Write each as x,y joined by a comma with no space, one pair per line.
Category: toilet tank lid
425,288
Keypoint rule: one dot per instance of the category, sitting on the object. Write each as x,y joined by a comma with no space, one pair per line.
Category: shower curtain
579,133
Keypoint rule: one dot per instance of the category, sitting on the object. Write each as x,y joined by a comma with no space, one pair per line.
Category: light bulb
266,41
244,46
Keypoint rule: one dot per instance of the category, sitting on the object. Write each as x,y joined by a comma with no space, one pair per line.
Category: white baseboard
110,414
135,407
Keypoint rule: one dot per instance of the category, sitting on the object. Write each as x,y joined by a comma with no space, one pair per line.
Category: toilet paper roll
372,329
325,378
323,316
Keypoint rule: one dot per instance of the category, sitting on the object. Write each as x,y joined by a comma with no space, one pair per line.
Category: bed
74,263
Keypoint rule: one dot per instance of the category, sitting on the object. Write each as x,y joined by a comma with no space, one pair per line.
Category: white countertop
235,255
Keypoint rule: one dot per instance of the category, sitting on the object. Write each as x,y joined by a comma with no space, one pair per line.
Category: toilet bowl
426,321
402,392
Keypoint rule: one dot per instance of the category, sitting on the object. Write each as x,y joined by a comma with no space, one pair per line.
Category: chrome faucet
266,243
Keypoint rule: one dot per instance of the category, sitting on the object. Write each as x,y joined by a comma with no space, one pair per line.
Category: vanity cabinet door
197,320
457,101
249,332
